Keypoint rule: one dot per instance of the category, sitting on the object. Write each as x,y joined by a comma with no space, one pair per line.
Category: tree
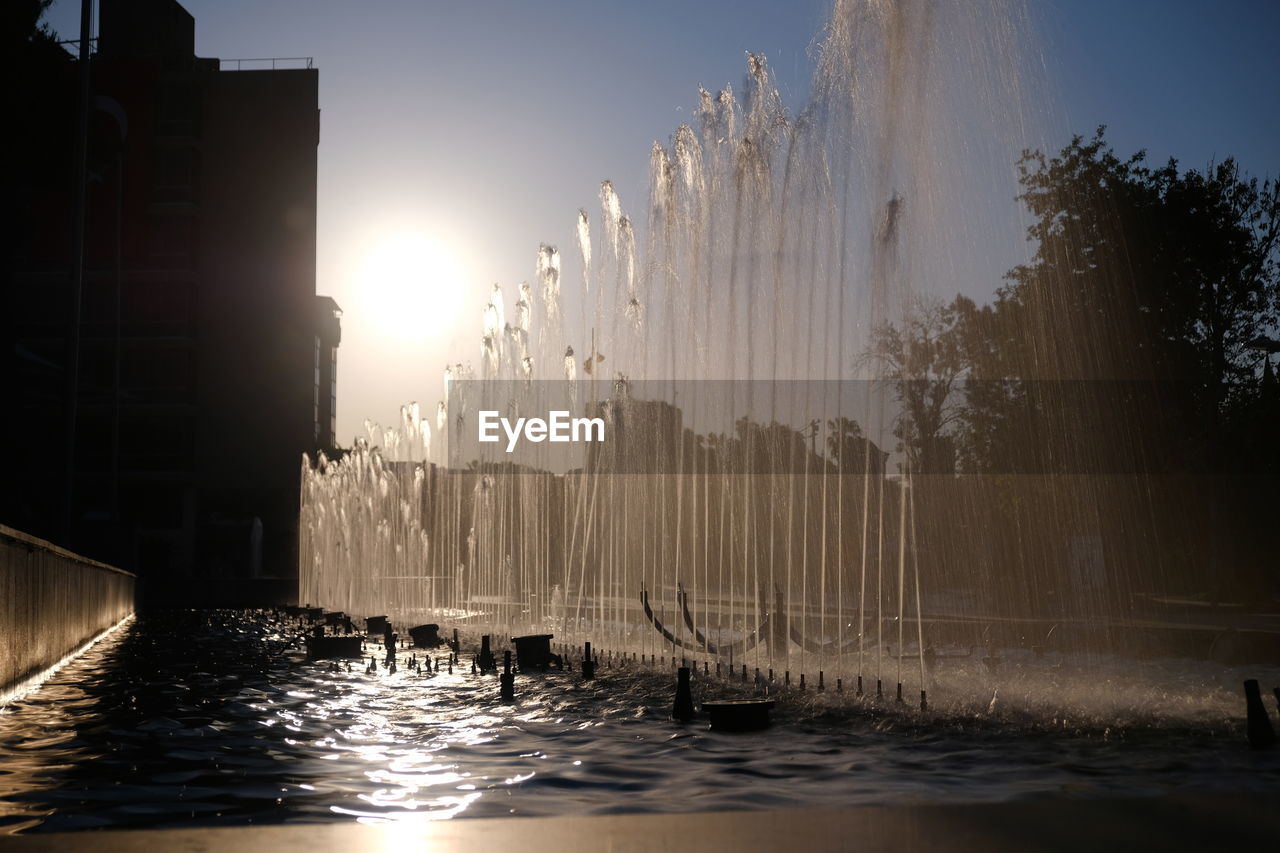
1126,347
21,22
1077,301
925,359
853,452
1145,292
1220,235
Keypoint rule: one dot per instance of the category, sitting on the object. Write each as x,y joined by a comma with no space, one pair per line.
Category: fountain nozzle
1261,735
507,679
682,710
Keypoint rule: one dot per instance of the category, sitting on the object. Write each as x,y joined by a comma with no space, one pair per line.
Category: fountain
762,521
753,503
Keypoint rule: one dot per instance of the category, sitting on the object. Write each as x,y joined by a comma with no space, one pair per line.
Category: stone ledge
26,539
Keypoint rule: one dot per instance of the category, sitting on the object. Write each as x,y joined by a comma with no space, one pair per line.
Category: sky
457,137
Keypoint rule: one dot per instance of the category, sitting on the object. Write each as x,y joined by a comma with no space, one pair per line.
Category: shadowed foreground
1216,822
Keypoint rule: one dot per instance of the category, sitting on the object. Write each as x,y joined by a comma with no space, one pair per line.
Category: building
207,362
328,334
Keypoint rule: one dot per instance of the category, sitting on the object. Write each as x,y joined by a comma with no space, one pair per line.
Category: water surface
215,718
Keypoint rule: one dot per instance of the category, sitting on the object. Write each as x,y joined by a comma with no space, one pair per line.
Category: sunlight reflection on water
210,718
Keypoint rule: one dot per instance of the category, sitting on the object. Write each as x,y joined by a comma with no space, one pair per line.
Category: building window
333,395
152,369
172,238
316,389
160,307
177,108
174,175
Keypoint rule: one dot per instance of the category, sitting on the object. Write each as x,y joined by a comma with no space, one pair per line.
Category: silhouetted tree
1220,250
21,23
852,452
925,360
1144,276
1127,345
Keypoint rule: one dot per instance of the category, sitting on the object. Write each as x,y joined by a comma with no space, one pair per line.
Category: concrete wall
51,602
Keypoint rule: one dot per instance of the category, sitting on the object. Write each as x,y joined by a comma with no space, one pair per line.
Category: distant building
207,361
328,336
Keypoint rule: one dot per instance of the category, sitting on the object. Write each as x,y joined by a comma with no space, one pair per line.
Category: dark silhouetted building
328,336
207,361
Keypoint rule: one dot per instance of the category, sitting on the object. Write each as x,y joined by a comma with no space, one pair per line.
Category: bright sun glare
411,286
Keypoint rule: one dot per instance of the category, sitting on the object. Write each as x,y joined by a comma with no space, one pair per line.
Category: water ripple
214,718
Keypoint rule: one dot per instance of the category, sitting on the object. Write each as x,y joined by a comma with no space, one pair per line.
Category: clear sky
456,137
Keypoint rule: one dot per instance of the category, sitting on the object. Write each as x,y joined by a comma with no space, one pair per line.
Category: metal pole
77,272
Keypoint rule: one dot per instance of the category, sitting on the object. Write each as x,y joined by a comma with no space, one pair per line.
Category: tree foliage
1145,299
1126,365
926,360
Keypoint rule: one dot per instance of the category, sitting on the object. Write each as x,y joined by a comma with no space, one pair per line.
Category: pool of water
216,718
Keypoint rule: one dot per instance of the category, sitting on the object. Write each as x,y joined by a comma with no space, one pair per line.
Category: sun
411,285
